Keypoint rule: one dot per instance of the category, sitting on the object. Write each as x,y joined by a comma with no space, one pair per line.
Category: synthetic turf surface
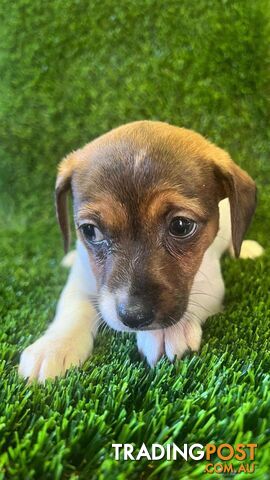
70,70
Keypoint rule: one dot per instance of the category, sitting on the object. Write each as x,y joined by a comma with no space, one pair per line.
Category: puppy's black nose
135,314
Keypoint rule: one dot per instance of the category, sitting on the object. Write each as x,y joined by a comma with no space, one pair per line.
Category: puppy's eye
182,227
91,233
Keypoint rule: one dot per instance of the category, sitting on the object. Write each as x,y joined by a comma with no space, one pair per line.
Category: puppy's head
145,199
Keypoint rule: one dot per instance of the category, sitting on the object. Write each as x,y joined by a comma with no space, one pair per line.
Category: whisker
173,321
193,314
197,304
203,293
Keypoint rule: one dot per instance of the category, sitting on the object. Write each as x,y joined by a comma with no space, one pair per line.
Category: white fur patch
139,157
151,345
107,306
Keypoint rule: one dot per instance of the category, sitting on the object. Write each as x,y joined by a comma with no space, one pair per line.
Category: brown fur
107,208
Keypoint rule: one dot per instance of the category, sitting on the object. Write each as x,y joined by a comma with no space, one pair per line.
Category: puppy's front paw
51,356
181,337
151,345
174,341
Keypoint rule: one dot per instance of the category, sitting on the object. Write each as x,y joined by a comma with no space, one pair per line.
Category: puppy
155,207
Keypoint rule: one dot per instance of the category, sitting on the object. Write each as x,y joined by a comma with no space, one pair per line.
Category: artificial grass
70,71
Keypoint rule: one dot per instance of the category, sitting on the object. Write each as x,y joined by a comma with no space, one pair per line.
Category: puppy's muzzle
135,313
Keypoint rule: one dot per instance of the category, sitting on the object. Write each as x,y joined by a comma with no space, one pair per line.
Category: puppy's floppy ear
239,187
63,185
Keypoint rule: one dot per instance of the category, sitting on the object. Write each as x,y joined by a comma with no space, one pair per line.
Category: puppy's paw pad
251,249
48,358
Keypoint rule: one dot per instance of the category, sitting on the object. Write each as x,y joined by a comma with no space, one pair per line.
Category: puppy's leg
69,339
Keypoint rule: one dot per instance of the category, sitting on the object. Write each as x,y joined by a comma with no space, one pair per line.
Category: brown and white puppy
155,206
